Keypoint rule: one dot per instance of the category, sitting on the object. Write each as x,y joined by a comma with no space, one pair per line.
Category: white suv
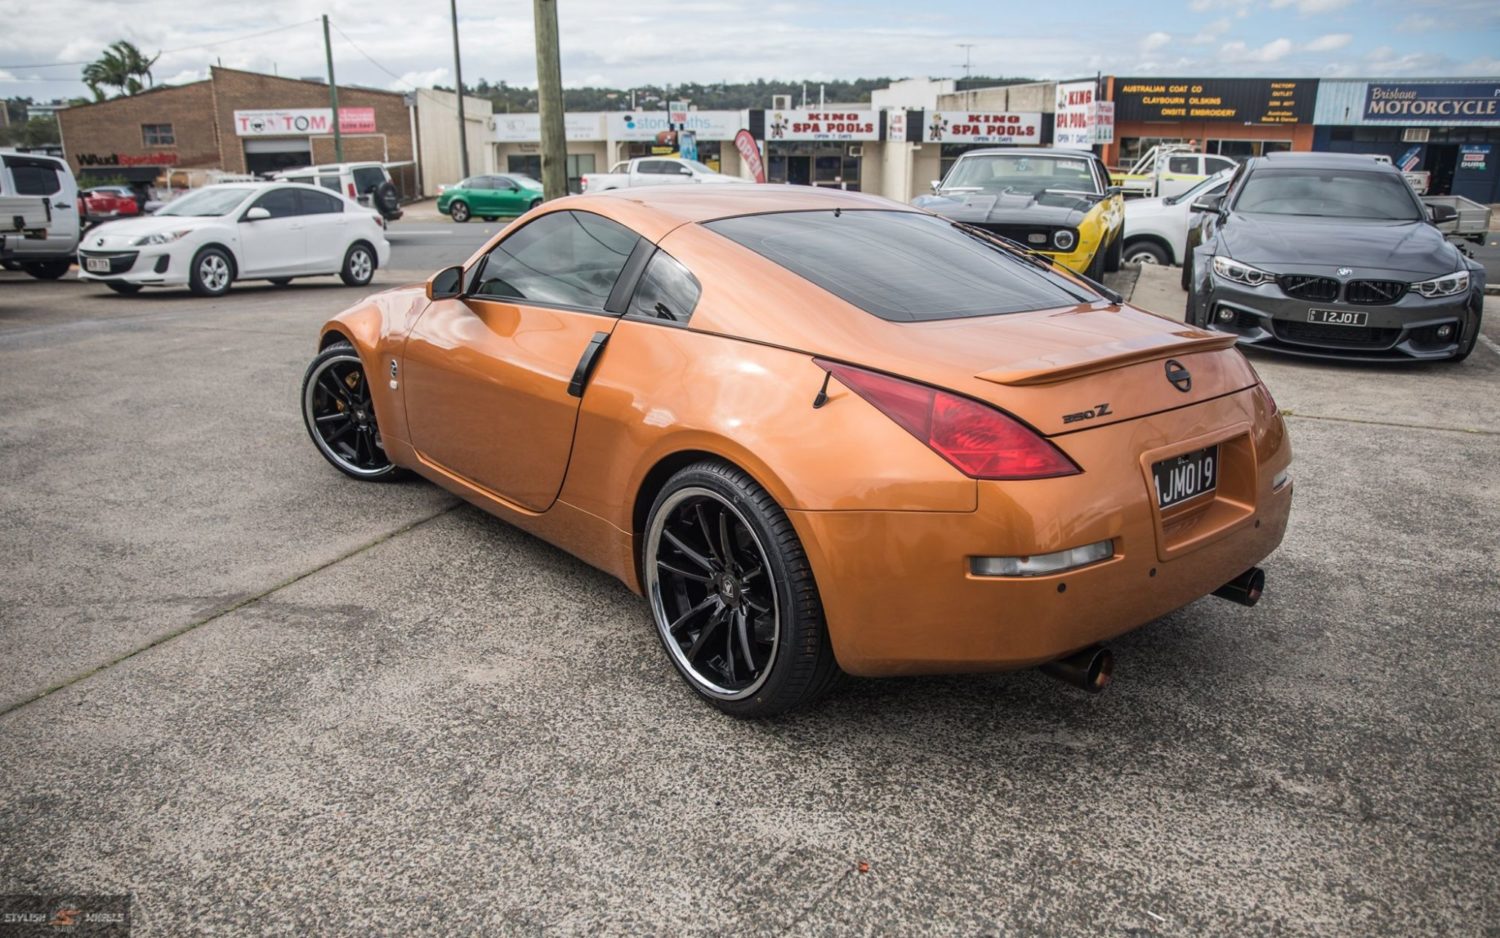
366,183
33,174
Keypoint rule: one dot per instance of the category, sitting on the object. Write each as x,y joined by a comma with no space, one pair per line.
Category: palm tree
121,66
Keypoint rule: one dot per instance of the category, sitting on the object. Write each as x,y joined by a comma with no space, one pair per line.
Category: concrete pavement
286,701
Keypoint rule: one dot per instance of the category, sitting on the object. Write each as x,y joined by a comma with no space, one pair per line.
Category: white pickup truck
1420,181
653,171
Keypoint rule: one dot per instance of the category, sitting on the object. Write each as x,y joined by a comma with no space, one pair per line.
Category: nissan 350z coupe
819,431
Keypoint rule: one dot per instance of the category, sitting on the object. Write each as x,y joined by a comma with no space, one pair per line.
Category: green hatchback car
490,196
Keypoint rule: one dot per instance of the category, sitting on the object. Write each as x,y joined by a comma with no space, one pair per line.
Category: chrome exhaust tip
1245,589
1090,669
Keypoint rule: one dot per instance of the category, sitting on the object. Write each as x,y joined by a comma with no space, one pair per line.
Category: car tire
1095,270
359,265
1187,271
458,210
124,289
340,415
280,281
534,204
744,580
1114,254
46,270
211,272
492,218
1146,252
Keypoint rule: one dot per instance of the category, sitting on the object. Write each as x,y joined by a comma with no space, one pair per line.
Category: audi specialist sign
306,121
1230,100
969,127
822,125
1434,102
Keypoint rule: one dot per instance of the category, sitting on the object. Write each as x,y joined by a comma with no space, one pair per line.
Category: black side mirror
446,284
1442,214
1209,203
1114,190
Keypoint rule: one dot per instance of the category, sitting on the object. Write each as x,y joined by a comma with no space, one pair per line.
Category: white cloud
433,76
1417,23
1329,43
1154,41
1212,32
1311,7
1273,51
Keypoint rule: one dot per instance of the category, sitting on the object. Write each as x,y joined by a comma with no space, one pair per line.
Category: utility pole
458,74
333,96
550,100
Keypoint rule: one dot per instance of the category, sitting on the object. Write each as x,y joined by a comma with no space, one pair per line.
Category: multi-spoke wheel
732,595
210,272
340,416
359,265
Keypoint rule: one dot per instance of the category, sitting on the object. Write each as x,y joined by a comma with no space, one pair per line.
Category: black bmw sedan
1333,256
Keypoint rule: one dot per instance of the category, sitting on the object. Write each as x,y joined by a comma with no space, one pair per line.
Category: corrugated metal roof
1341,102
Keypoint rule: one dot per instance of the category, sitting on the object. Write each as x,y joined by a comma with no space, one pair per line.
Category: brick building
237,122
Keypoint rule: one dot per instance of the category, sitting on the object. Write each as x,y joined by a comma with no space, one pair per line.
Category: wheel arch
374,254
234,261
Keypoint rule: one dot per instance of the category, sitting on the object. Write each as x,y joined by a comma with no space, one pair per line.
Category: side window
667,291
563,259
34,177
367,179
1183,164
652,167
1217,163
331,183
281,203
317,203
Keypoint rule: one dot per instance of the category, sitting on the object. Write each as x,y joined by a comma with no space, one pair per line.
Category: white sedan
1156,230
216,235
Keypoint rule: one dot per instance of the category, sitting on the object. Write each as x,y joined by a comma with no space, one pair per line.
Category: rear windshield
902,266
1329,193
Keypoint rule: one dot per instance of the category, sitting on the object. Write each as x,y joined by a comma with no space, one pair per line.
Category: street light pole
458,74
333,96
550,101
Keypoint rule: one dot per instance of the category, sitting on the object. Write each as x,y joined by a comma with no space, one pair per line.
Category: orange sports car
820,431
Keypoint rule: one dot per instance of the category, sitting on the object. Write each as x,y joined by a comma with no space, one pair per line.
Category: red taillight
583,183
352,193
978,440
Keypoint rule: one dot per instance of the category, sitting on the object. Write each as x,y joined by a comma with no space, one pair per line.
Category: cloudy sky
401,44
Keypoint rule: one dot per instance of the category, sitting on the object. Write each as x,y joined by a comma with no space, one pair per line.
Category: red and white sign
895,122
971,127
303,122
1103,117
750,153
822,125
1072,127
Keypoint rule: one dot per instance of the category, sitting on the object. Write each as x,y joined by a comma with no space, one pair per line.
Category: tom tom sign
303,121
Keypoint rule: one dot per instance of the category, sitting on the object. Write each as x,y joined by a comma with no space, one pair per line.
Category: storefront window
1133,148
813,164
530,164
1244,149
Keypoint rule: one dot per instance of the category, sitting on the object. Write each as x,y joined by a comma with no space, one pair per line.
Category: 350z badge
1098,410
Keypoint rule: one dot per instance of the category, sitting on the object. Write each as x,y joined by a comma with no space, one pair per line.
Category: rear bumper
899,596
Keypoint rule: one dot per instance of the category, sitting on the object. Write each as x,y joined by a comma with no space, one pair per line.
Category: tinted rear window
901,266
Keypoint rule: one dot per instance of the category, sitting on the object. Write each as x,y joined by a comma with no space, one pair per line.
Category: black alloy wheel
340,416
732,595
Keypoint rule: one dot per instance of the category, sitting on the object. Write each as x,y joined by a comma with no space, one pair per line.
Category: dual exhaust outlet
1092,668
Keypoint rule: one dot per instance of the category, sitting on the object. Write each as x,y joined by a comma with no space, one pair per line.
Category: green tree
121,66
39,131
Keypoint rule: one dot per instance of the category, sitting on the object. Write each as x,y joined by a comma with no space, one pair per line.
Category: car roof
708,203
1324,161
1032,151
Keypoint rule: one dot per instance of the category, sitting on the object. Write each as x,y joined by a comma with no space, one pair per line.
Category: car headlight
1231,269
161,237
1446,285
1064,239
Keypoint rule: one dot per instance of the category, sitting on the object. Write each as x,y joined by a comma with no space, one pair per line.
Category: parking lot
261,697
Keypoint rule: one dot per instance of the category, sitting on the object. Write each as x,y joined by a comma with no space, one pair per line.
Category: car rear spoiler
1075,363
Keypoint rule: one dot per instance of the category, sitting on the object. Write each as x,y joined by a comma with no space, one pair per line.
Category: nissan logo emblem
1180,377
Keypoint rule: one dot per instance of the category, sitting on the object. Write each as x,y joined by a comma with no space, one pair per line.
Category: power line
203,45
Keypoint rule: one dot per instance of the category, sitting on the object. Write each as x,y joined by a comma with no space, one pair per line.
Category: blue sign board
1465,102
1474,157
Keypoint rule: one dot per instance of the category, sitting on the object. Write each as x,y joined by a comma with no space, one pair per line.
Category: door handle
586,363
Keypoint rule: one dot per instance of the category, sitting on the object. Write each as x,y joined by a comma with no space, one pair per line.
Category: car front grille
1034,237
119,261
1303,287
1374,292
1316,333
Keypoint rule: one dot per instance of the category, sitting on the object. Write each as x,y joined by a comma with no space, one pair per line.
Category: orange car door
493,379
